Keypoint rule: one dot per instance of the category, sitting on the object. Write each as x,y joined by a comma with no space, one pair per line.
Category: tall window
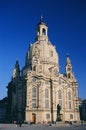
69,96
34,97
43,31
46,93
60,97
71,116
46,98
47,116
69,100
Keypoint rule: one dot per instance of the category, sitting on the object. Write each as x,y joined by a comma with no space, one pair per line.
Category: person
20,123
82,122
70,123
15,123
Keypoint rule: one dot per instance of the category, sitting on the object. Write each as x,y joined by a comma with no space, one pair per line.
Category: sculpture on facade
58,113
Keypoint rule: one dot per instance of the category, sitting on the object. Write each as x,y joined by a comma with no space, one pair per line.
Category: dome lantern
42,31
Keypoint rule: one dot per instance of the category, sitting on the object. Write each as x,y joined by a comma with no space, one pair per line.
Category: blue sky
66,21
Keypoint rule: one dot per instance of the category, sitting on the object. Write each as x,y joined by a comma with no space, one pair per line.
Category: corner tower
69,72
16,71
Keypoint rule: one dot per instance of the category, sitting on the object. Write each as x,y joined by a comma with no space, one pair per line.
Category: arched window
71,116
47,116
34,97
34,92
46,98
60,98
46,93
43,31
69,96
59,94
69,100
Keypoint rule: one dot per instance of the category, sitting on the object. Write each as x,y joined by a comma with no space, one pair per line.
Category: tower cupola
16,71
69,72
68,65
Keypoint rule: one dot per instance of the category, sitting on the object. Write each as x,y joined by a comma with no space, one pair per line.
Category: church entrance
33,118
61,115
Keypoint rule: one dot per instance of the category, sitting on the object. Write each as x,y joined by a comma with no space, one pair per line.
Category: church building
39,92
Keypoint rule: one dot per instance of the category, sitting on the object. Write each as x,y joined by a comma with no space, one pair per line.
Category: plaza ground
42,127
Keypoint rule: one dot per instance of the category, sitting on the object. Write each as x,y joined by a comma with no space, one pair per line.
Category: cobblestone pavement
41,127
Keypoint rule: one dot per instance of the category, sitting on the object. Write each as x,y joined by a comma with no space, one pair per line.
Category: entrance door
33,118
61,116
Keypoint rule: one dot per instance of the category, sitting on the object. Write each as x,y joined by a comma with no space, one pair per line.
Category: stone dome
42,54
44,51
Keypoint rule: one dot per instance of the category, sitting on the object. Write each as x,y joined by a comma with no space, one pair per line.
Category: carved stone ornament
33,79
56,72
37,53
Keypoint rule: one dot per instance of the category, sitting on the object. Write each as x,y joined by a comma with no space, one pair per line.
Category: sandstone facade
35,92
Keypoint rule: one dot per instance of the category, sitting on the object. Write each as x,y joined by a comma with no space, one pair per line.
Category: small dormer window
34,68
51,53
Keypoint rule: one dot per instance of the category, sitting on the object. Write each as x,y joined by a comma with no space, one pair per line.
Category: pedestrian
15,123
20,123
